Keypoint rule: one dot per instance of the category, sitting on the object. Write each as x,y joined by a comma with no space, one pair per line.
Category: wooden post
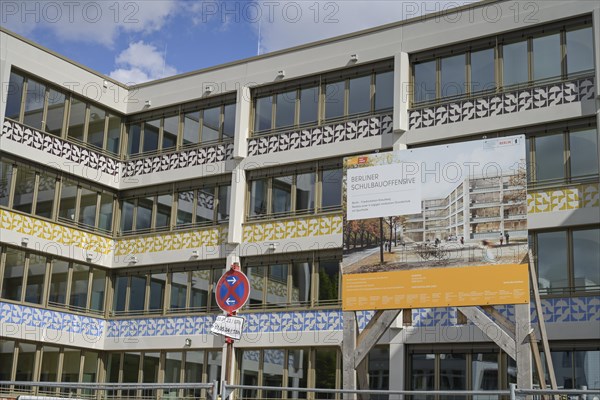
348,346
523,349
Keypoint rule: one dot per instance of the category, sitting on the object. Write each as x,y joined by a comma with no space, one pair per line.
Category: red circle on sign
232,291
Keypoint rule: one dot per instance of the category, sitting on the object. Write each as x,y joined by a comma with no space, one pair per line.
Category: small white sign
228,326
382,191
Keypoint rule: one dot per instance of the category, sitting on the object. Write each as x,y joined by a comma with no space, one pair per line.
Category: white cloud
293,23
88,21
141,62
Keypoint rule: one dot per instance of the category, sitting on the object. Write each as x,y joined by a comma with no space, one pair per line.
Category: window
24,276
158,283
35,96
508,60
70,286
6,173
567,260
86,206
14,96
329,282
56,112
559,156
205,206
334,99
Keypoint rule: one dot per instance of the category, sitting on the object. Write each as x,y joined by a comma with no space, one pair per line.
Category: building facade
122,205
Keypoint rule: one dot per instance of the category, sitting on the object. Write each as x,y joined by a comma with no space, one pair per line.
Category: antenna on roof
258,45
164,61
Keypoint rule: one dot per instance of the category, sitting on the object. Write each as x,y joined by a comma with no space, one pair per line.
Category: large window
511,60
54,111
24,276
309,103
567,155
297,192
567,260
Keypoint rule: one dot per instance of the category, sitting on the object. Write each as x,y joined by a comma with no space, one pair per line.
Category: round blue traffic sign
232,291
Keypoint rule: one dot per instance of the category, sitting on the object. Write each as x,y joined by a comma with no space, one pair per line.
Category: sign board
231,326
454,222
232,291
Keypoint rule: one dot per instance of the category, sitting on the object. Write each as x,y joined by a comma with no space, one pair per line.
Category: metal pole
513,388
381,239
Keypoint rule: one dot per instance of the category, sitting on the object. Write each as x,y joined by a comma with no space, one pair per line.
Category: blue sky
137,41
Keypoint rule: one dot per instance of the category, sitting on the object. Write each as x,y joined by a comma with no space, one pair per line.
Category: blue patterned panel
48,319
552,94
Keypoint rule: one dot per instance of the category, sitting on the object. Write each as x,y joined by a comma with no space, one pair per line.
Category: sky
138,41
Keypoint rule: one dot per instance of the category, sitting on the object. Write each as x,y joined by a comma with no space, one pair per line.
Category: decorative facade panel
293,228
562,199
503,103
327,134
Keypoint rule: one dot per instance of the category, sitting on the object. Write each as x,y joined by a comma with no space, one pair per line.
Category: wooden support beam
362,373
523,349
541,322
369,337
348,346
504,322
537,359
485,323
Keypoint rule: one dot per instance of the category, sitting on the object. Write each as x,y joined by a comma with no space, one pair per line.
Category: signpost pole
381,239
229,355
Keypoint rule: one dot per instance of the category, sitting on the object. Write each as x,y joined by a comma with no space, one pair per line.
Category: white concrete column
237,206
242,123
401,99
5,78
397,366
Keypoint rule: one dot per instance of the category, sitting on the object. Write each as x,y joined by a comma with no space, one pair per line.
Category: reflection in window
249,368
200,288
331,188
424,85
14,95
170,128
70,370
211,123
179,281
334,100
273,372
546,56
95,135
285,109
127,208
229,121
297,372
137,293
56,112
515,63
45,196
106,212
76,119
25,362
359,95
422,373
34,104
87,207
36,274
151,131
134,139
384,90
552,260
329,280
483,68
325,370
79,285
549,161
194,365
263,114
258,197
24,189
163,210
453,76
224,199
301,277
309,105
580,50
583,146
282,194
6,172
305,191
14,268
58,282
157,291
120,293
114,133
144,213
191,128
185,207
98,289
586,258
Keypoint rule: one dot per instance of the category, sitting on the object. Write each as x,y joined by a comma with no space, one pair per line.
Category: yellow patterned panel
568,198
48,231
292,228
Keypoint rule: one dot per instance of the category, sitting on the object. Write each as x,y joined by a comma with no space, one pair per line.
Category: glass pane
285,109
45,196
200,288
179,281
379,369
150,372
14,267
515,63
14,96
163,210
359,97
422,374
112,370
424,81
552,261
58,282
134,137
114,133
258,197
79,285
563,369
211,123
127,215
256,277
87,207
76,119
68,198
35,279
325,370
229,121
55,113
185,207
213,371
484,372
332,188
106,212
151,129
25,362
580,50
273,372
96,127
309,105
549,157
23,197
584,152
137,293
282,194
384,90
98,288
224,198
586,258
157,291
277,284
250,364
49,367
131,367
334,100
305,191
172,372
453,373
191,128
587,372
301,273
34,104
297,364
453,76
170,128
546,56
6,171
70,372
144,213
194,365
329,280
7,350
120,293
483,70
262,113
206,205
90,367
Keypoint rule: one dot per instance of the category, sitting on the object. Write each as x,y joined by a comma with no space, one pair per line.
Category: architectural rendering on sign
122,207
